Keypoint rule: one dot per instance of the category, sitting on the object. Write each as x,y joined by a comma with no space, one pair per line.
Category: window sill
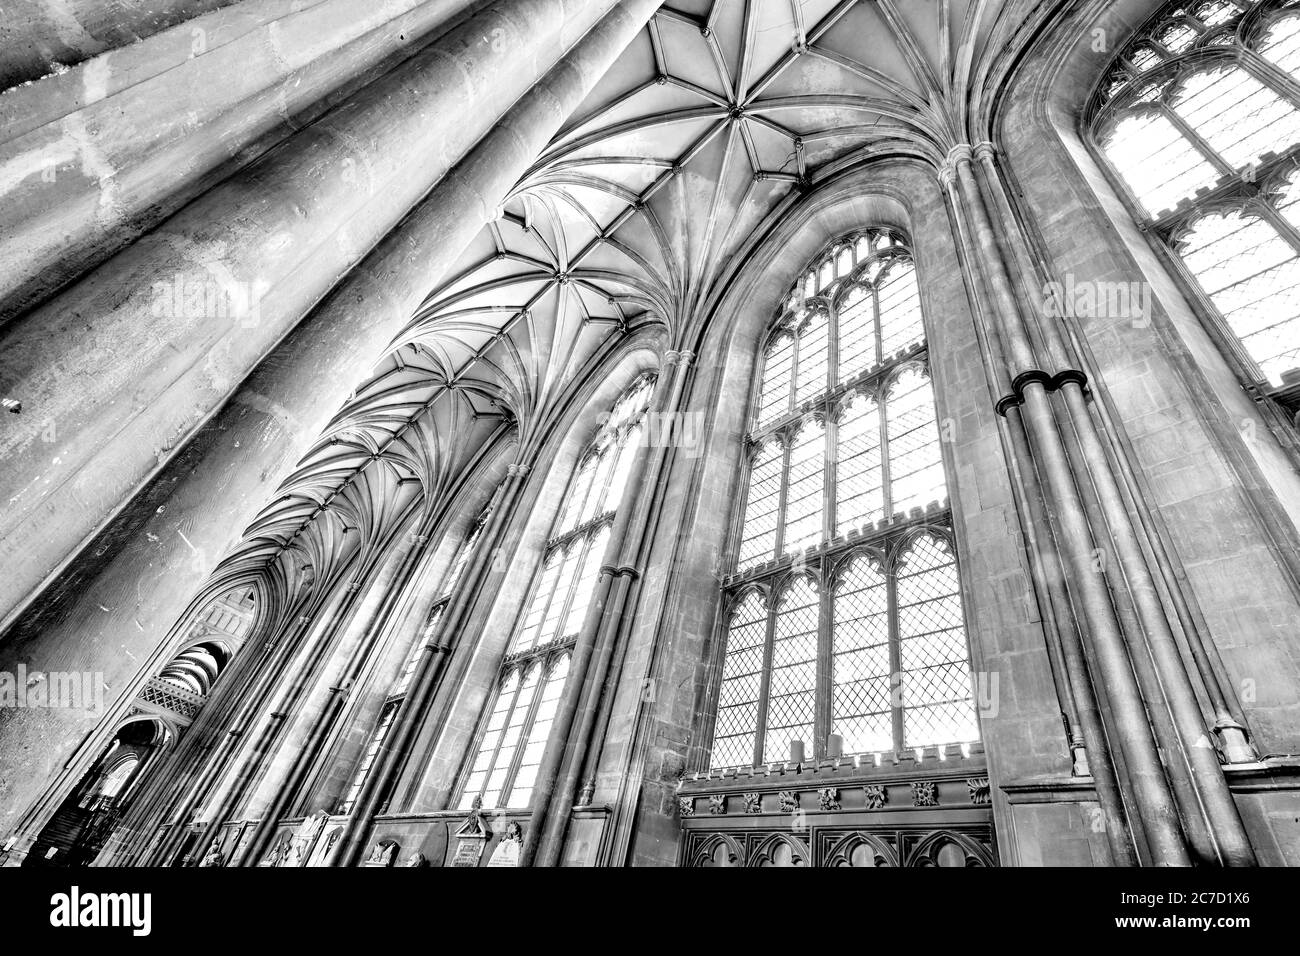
826,773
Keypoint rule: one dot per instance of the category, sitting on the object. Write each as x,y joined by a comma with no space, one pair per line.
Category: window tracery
843,610
1199,115
531,680
397,694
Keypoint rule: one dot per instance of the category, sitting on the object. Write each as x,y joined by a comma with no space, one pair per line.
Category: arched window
1199,115
397,694
844,611
517,723
116,779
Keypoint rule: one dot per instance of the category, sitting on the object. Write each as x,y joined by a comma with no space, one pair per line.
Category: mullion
796,343
505,727
882,419
1285,230
1199,142
560,559
765,683
830,469
783,499
822,716
578,566
525,730
895,654
1269,74
876,323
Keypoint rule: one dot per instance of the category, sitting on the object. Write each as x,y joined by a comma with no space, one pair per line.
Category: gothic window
1199,115
115,781
844,609
516,726
397,694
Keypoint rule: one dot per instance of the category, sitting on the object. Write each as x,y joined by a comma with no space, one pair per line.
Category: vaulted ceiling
716,115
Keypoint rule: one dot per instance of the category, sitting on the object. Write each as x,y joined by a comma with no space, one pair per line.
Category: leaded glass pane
778,370
586,584
1237,115
492,731
793,679
596,505
861,710
858,480
900,309
1253,277
758,537
938,704
814,357
742,674
803,505
1177,38
857,332
368,758
521,793
844,262
1159,164
885,457
565,582
915,459
1282,45
1144,58
578,493
1214,12
497,776
527,636
622,468
462,557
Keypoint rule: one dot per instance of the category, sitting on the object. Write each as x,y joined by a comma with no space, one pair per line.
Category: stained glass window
517,722
844,611
1200,117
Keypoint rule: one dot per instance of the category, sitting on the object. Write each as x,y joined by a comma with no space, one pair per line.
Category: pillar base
1234,743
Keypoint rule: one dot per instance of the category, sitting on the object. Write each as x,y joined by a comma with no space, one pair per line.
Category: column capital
985,151
961,153
623,571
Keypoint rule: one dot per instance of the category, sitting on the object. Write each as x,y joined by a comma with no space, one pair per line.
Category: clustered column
1150,708
578,729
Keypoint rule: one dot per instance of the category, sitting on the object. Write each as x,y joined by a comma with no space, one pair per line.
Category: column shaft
116,372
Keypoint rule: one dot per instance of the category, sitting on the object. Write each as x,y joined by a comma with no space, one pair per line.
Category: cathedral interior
791,433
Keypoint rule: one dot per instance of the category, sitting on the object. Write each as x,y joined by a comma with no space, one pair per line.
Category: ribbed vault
715,118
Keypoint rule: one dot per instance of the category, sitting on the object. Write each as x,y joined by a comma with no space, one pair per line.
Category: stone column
94,157
1029,405
288,691
555,790
118,371
413,565
1167,683
202,756
425,680
156,553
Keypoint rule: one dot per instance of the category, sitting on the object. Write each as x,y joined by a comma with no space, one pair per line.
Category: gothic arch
779,850
711,852
875,850
945,848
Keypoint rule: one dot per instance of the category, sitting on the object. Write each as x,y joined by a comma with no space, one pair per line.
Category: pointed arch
834,501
